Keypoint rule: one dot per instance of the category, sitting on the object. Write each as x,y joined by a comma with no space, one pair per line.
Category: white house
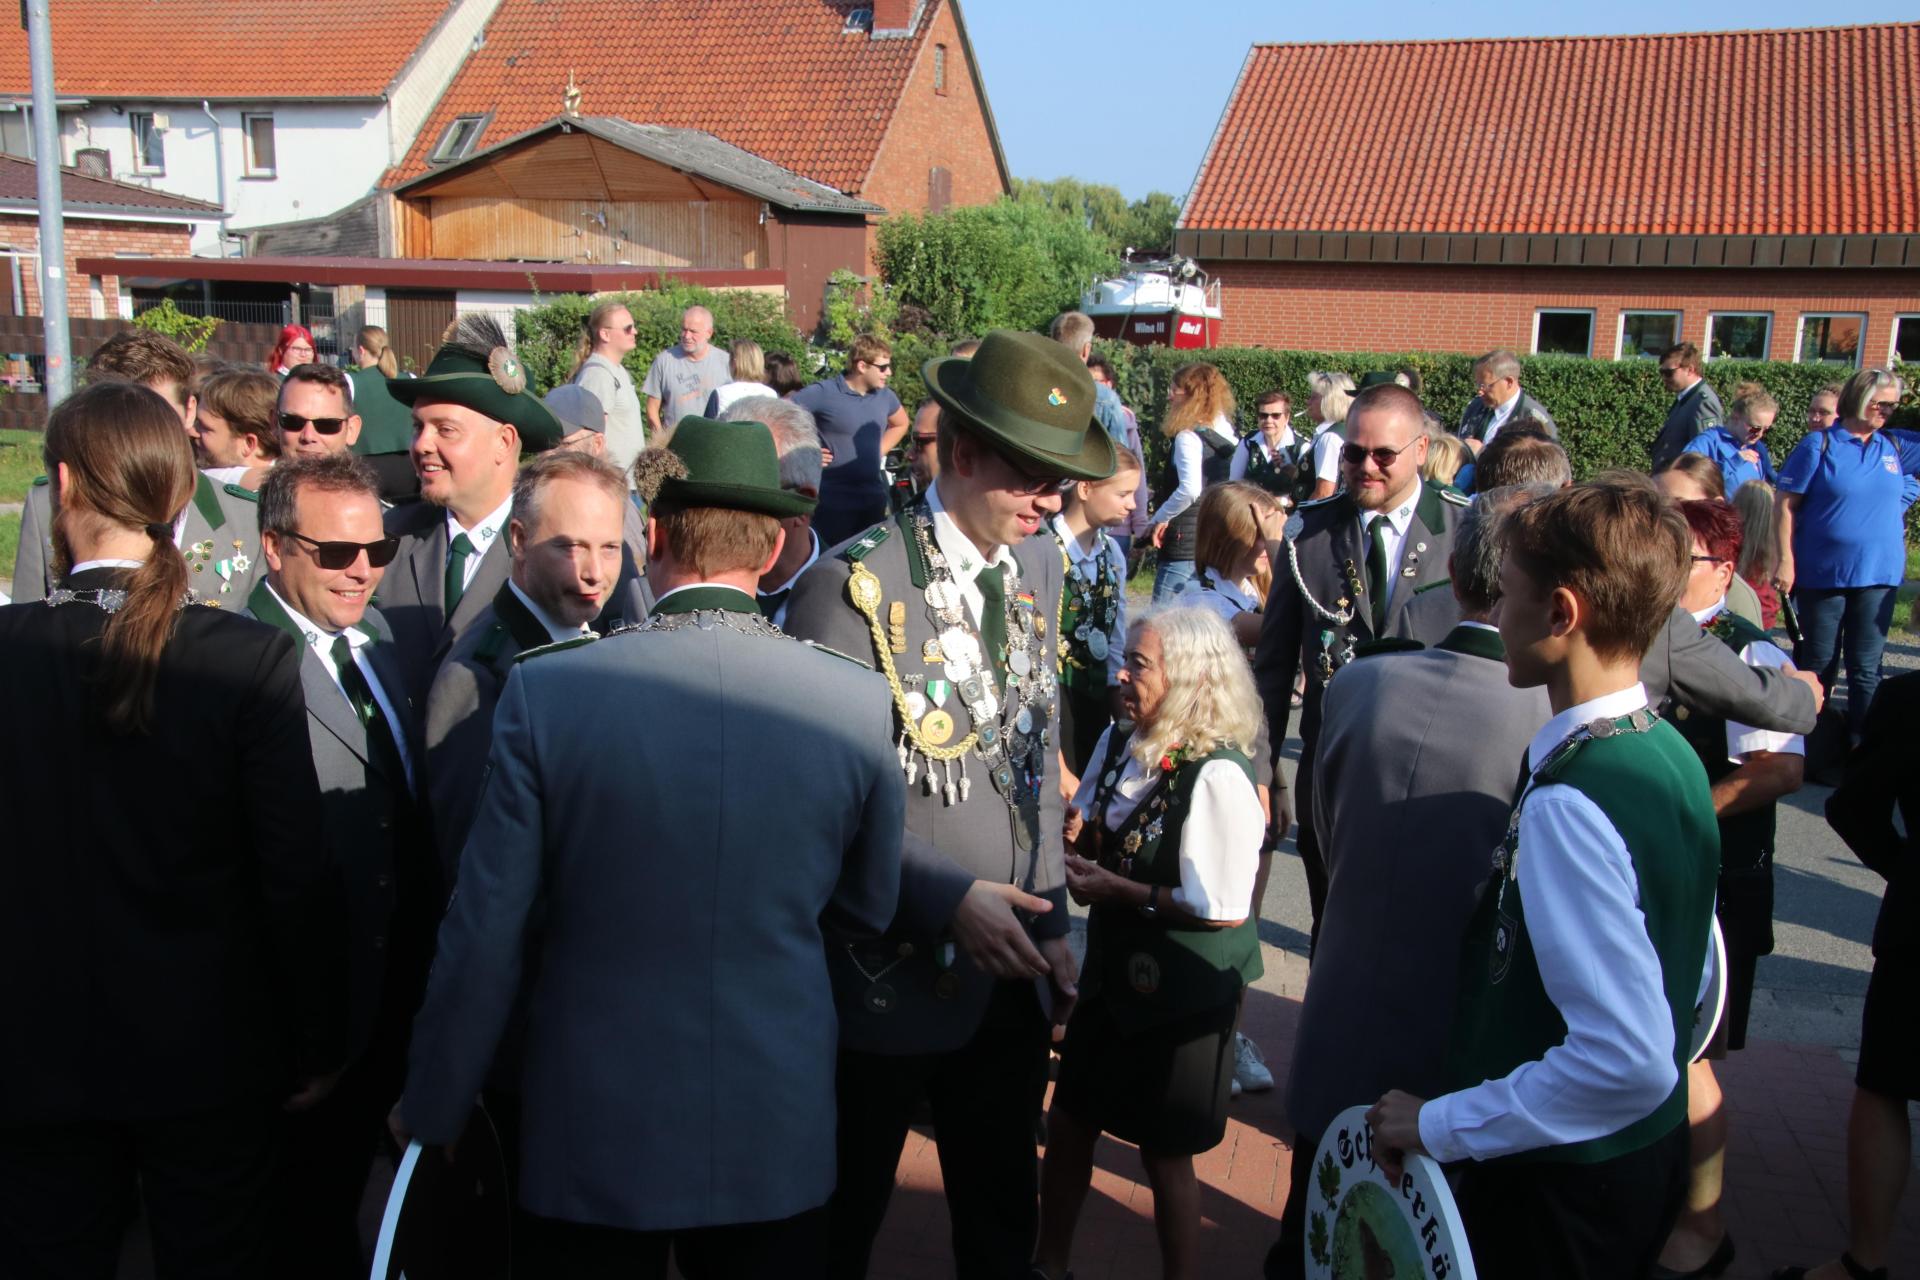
274,113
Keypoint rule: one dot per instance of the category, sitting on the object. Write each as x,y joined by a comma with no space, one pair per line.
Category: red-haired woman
294,348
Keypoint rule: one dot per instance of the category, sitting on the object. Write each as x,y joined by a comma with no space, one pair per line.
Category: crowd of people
642,777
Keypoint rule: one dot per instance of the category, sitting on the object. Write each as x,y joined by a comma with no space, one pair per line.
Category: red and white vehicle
1167,302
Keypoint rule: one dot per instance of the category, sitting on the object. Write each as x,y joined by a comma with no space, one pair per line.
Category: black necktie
1377,580
992,583
380,741
770,602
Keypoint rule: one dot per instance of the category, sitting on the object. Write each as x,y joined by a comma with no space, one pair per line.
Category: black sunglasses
292,423
1355,454
341,555
881,367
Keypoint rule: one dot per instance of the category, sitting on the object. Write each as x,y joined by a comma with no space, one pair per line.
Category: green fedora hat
1030,397
476,368
732,465
1377,378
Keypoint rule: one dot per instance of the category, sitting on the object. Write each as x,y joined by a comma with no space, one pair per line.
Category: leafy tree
1145,224
191,332
549,334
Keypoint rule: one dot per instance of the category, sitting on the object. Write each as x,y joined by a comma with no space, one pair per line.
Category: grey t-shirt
682,384
612,386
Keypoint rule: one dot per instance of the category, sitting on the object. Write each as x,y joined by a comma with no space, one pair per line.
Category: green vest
1087,608
1278,475
1152,969
386,425
1651,788
1746,839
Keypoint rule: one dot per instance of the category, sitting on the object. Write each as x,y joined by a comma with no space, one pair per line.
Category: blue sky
1127,92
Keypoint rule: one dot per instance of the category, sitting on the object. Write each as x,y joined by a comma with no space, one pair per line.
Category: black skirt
1890,1028
1163,1089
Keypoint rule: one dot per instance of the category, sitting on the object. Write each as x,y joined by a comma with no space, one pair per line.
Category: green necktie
992,583
1378,582
380,741
457,556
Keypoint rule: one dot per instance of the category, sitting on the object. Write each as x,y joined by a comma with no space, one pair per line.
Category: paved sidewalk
1786,1180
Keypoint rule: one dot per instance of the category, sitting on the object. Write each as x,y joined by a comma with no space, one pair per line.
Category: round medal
879,998
960,647
1097,644
1019,663
947,985
916,705
1024,721
937,729
987,708
942,594
957,672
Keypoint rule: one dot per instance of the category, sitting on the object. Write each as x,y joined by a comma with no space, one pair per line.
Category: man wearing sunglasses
325,551
316,412
859,421
1360,556
957,604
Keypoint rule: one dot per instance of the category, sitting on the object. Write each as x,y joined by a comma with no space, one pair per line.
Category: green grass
19,464
9,541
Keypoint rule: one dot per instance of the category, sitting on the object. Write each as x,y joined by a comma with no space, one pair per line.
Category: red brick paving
1785,1201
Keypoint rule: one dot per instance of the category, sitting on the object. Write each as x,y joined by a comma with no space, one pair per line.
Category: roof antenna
573,96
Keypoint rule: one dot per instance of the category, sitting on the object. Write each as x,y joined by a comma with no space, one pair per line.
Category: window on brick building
1906,339
16,132
1739,335
939,68
258,128
1833,337
1647,333
939,189
149,142
1561,331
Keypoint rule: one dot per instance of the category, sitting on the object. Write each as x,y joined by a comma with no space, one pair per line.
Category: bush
169,321
1011,265
549,334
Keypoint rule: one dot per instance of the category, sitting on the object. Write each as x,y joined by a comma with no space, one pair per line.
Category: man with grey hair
1496,377
684,375
1405,821
1074,330
564,535
797,442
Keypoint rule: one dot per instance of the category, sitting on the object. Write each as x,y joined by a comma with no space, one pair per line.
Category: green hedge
1608,411
549,334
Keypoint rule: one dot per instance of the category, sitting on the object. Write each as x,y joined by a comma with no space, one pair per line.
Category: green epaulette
863,546
1390,644
571,642
1438,582
814,644
245,494
39,482
1450,494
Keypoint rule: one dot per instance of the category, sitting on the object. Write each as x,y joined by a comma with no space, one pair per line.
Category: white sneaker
1249,1067
1233,1088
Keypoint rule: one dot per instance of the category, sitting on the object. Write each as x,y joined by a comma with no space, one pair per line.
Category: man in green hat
473,418
678,1075
957,607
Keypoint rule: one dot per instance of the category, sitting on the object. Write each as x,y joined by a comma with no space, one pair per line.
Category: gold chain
865,592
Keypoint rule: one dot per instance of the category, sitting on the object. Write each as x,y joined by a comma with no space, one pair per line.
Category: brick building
103,219
1754,192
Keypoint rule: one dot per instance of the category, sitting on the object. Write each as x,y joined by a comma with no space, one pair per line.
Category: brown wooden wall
22,335
689,233
810,248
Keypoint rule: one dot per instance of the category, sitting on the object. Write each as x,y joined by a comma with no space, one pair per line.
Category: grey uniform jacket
680,1045
221,541
1686,665
460,704
1414,778
1332,557
1693,411
1473,423
413,594
936,1000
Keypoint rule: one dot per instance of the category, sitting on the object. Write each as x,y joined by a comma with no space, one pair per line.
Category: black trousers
986,1098
1286,1260
1604,1221
68,1192
793,1248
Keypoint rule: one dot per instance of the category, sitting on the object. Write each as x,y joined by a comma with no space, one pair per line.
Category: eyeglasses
922,443
1354,454
886,367
1271,416
1031,485
627,328
293,423
1668,370
1708,559
1884,406
341,555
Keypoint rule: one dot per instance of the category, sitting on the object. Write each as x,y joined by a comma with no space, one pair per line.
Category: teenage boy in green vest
1582,964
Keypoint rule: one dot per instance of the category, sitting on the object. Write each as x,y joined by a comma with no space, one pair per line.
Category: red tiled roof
80,192
779,78
224,48
1806,132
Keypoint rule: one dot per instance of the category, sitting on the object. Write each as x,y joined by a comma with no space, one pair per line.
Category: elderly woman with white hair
1166,831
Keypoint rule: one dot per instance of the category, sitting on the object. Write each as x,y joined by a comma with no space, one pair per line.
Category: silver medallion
943,595
1019,663
958,672
958,646
1097,644
1024,721
916,705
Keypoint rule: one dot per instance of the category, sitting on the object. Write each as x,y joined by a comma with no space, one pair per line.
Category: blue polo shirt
853,490
1720,444
1849,529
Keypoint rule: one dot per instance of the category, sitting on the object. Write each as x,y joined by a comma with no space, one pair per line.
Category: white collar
788,584
1607,706
320,639
963,557
85,565
1259,438
1234,593
490,526
1075,552
1401,516
1477,626
1501,412
1712,611
558,630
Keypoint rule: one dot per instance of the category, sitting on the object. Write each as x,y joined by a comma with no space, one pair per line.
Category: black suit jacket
154,962
1880,775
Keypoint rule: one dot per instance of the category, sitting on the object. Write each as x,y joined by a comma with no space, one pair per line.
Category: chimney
894,18
93,162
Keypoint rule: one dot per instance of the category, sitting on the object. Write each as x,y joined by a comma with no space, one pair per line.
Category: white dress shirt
1326,451
1598,966
1498,418
1219,843
321,642
1085,564
1743,739
964,560
779,617
1243,456
1399,519
482,536
85,565
1189,454
555,628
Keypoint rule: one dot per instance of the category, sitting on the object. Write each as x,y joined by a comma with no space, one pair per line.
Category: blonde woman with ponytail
607,335
1739,447
386,425
172,972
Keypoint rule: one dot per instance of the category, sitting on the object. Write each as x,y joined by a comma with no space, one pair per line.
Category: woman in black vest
1167,828
1199,421
171,954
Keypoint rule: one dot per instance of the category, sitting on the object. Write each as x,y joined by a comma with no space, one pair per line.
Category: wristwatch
1152,907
